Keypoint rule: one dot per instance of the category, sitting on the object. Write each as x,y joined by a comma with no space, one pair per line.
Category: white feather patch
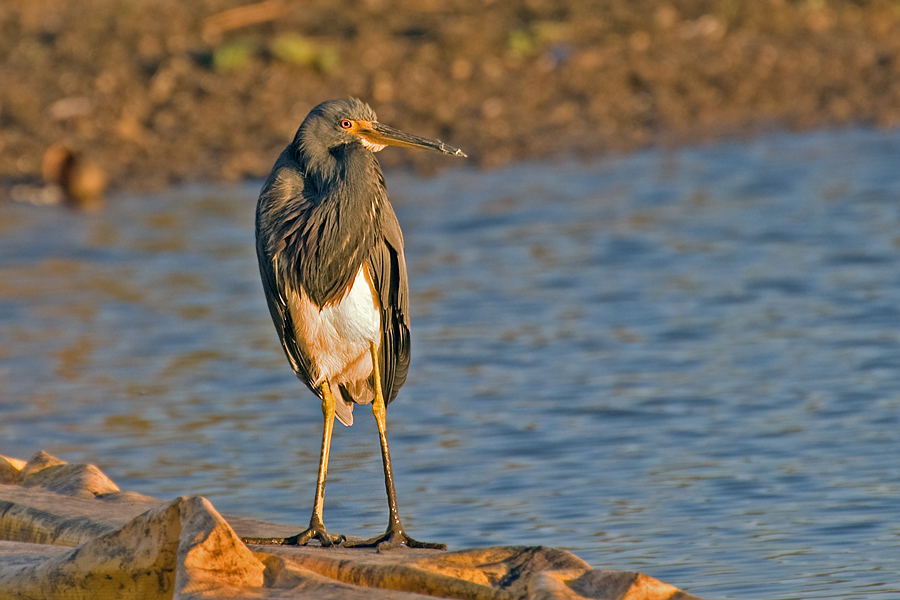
337,338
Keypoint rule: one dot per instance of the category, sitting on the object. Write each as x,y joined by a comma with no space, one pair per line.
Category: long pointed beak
380,134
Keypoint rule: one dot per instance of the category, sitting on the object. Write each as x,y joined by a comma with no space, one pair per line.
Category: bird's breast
337,336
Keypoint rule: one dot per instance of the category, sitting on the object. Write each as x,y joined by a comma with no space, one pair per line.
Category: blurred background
169,91
655,314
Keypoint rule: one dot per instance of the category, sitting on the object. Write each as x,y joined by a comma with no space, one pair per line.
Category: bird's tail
343,408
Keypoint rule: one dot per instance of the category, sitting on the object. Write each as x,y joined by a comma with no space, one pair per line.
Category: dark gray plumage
315,212
331,258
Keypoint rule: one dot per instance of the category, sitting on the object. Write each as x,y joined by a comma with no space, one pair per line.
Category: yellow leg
328,414
394,536
380,411
316,529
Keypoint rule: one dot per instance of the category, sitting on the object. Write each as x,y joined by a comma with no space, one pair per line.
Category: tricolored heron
331,258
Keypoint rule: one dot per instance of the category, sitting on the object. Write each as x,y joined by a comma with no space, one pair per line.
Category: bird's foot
393,538
314,532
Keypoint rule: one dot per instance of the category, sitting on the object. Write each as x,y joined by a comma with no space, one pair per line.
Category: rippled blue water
680,362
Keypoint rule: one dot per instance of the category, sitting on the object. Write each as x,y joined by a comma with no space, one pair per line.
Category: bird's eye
346,124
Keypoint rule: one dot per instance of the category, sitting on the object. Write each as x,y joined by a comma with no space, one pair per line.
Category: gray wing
388,268
283,185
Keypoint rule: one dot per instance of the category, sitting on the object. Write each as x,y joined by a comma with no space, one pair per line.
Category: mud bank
161,92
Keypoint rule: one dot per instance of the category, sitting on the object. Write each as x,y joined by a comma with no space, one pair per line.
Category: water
680,362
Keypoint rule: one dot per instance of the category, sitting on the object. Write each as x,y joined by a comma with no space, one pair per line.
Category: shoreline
66,530
161,93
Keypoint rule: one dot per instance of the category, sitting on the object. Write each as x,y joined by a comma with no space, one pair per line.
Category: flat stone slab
67,531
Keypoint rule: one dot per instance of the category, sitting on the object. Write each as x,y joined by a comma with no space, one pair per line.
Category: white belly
337,338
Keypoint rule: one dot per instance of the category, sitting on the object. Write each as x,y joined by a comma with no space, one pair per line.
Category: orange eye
346,123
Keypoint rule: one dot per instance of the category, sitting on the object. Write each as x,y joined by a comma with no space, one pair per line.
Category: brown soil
157,92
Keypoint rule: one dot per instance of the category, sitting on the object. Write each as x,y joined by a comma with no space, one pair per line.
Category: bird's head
348,121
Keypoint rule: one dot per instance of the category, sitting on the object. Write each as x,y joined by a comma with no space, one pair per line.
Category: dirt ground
158,92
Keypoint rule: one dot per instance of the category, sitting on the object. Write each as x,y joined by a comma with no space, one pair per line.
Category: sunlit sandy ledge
69,532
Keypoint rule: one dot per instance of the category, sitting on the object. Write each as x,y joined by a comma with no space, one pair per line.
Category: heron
331,258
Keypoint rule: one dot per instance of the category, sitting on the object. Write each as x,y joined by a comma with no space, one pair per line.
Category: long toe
315,533
324,538
393,539
427,545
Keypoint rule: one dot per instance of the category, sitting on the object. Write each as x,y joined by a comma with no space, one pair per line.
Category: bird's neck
345,213
348,165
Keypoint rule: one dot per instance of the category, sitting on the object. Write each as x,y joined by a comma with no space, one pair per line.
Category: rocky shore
67,531
158,92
